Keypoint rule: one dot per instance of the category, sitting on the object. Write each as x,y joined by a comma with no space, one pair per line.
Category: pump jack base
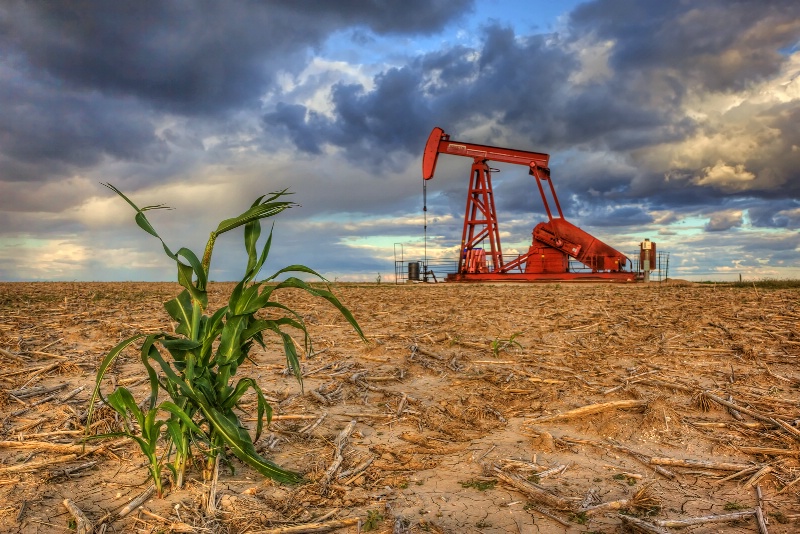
543,277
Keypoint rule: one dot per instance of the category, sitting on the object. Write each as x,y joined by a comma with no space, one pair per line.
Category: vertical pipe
425,216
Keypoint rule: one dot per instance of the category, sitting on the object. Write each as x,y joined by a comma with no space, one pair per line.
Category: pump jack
554,242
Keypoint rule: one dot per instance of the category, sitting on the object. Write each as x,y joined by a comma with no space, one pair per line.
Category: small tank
413,270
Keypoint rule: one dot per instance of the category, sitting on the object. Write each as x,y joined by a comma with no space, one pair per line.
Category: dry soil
476,408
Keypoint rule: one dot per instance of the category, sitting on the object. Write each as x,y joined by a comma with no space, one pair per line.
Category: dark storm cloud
44,126
784,213
520,81
444,87
719,44
369,124
194,57
619,216
85,80
659,56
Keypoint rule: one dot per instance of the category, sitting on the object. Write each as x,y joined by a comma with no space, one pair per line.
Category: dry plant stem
789,485
510,463
424,352
135,503
761,521
355,473
326,526
591,409
47,354
22,437
47,446
749,470
771,451
720,466
370,415
640,525
283,418
533,491
724,518
760,497
48,399
756,415
605,506
557,470
326,515
32,371
758,476
11,356
401,406
630,380
71,394
551,516
44,369
32,424
733,411
310,428
83,525
32,392
33,466
341,442
21,512
173,526
211,503
637,455
67,471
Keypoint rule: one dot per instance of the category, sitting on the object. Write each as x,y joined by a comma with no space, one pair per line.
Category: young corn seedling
197,364
122,401
499,345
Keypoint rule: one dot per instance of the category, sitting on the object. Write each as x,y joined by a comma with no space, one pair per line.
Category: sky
677,121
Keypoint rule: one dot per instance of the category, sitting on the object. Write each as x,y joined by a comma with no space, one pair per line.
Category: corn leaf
238,440
101,372
180,309
141,219
261,211
175,410
147,348
327,295
252,231
263,257
197,267
231,339
263,406
295,269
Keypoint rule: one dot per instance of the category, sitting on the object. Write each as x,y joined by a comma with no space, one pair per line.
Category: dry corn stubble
666,353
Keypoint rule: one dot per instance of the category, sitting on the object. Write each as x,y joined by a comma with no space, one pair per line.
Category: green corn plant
499,345
122,401
206,351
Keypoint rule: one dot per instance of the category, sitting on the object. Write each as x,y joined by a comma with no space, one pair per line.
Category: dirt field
476,408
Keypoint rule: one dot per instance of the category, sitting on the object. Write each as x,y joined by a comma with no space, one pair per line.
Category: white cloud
732,130
312,87
593,56
724,220
726,177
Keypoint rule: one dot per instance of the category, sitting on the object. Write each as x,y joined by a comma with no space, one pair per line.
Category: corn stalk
196,365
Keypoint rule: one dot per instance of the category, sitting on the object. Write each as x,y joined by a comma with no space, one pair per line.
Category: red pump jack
554,242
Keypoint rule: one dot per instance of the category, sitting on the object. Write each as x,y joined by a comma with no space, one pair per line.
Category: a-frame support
480,223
